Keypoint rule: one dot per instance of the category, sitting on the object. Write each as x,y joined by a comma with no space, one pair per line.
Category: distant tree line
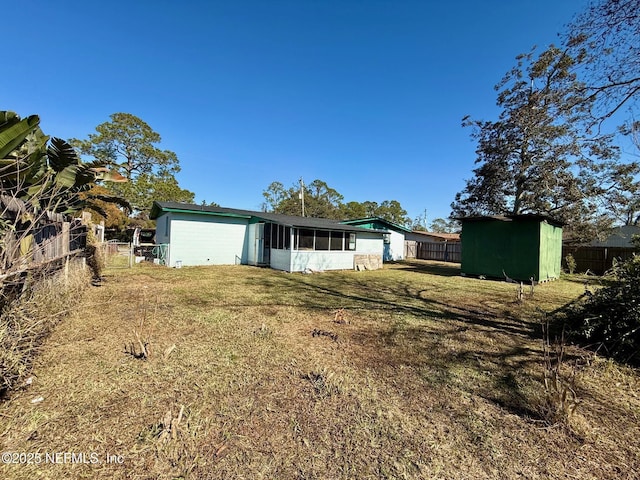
322,201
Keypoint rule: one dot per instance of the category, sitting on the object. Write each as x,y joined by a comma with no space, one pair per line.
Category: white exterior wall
369,243
394,251
207,240
321,260
281,259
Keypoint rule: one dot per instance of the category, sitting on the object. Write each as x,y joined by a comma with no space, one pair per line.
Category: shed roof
287,220
511,218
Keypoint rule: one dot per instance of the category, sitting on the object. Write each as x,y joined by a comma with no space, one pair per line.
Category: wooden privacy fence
595,259
441,251
43,244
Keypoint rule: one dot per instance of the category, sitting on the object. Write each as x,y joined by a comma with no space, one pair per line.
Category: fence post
66,269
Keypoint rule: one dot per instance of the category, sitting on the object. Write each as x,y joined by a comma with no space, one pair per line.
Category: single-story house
393,241
619,237
202,235
521,247
420,236
598,255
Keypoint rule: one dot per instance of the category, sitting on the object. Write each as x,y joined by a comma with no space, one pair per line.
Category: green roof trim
372,220
159,208
217,214
288,220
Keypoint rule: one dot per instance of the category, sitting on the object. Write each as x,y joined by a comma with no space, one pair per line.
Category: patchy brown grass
407,372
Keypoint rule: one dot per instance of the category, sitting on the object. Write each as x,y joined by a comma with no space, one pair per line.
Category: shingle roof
444,236
509,218
287,220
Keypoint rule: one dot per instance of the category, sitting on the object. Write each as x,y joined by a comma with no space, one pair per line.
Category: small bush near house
609,320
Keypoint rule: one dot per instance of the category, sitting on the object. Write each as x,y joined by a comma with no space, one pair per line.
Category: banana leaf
13,135
61,154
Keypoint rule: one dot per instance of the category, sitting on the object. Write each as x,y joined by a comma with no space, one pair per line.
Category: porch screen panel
336,241
322,240
305,239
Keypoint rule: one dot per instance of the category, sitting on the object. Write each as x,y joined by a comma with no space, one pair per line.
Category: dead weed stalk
560,400
140,348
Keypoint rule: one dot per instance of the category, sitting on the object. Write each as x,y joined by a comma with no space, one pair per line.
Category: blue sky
366,95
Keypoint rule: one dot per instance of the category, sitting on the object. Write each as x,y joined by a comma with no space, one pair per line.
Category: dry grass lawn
407,372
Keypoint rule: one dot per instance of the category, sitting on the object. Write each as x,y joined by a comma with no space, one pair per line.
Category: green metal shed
518,246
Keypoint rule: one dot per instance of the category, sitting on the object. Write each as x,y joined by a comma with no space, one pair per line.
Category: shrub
609,320
571,264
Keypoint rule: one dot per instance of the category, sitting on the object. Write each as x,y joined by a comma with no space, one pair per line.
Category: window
352,241
336,241
322,240
305,239
387,238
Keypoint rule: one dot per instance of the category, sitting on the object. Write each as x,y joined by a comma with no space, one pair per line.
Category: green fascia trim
203,212
376,219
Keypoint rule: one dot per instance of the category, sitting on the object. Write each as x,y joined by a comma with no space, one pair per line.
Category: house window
322,240
336,242
305,239
352,241
387,238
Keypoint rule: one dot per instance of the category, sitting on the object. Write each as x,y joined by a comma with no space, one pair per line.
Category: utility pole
302,194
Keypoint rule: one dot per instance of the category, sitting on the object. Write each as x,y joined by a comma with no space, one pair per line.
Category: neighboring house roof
619,237
386,224
288,220
450,237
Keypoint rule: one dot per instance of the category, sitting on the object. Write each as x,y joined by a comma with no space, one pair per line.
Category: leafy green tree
392,211
320,200
128,145
442,225
419,224
323,201
605,38
353,210
536,158
273,195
